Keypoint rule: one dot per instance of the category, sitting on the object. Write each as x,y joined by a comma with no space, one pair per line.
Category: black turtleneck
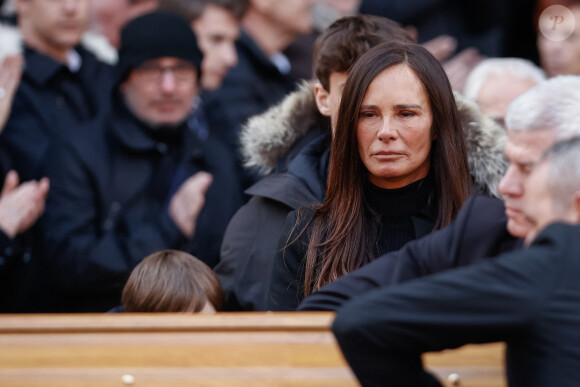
398,211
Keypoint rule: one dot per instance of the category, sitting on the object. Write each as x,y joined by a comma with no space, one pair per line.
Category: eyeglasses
153,73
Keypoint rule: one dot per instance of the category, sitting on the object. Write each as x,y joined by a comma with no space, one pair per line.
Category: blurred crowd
251,155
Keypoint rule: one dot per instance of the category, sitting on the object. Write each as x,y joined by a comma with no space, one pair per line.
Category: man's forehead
527,146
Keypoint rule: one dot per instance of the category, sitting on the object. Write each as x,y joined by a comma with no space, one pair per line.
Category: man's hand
441,47
188,201
10,72
459,67
21,205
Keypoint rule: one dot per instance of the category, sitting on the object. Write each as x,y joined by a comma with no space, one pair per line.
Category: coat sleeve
247,253
384,332
87,248
287,280
458,244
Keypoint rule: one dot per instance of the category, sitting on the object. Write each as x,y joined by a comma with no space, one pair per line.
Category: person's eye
368,114
407,114
526,169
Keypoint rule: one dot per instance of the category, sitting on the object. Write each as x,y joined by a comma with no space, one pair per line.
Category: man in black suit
528,298
484,227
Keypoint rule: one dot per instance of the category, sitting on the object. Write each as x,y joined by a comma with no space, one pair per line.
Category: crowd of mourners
412,166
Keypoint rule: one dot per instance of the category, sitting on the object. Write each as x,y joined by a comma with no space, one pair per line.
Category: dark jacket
108,207
15,276
252,235
479,232
270,142
291,143
250,88
528,298
50,104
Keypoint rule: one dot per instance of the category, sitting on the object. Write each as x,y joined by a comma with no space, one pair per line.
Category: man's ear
322,99
576,206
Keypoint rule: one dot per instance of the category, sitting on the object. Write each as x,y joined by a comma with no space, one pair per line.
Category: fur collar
485,147
267,137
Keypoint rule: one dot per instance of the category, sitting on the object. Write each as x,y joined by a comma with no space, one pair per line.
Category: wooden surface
228,349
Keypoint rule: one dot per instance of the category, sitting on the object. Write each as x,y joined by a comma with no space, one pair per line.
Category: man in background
262,76
143,182
216,24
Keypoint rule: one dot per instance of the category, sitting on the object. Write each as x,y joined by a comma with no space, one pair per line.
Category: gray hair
553,104
516,67
564,172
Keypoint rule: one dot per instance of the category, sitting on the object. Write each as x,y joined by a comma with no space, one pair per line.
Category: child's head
172,281
337,48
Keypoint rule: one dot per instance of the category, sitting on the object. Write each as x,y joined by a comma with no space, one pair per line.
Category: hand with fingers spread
10,72
21,205
188,202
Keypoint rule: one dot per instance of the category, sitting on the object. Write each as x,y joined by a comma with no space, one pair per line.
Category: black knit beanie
156,35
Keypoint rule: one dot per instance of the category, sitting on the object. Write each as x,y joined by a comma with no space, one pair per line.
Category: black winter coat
43,113
250,88
251,239
529,298
106,211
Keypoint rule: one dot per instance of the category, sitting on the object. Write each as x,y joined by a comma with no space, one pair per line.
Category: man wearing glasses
140,182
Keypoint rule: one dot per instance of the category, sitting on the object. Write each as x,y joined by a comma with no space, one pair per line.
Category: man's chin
518,228
165,122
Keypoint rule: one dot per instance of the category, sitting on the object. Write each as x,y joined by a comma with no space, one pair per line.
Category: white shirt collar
74,61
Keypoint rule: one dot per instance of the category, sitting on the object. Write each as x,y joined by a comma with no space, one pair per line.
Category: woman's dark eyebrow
402,106
408,106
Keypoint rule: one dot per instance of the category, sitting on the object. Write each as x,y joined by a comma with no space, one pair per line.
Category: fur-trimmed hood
485,147
267,137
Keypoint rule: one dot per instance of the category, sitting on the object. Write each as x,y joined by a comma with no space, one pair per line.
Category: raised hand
188,201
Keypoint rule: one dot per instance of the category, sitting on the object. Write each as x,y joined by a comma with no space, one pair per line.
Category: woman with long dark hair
398,170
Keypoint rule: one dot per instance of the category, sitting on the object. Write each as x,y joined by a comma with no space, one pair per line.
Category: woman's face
394,128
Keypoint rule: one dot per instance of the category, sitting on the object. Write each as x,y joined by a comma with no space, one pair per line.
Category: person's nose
387,131
230,56
512,183
168,81
70,6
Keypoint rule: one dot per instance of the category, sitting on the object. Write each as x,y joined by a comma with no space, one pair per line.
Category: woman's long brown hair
344,230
